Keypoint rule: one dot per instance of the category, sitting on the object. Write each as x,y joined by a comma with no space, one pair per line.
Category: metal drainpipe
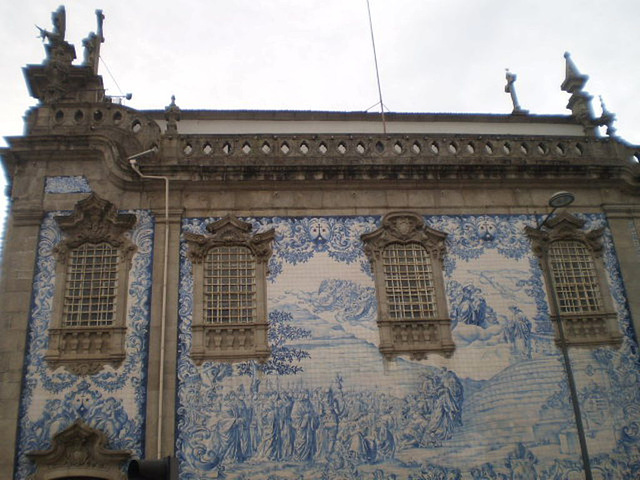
163,317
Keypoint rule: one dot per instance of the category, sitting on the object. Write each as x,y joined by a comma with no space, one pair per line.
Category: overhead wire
111,75
375,59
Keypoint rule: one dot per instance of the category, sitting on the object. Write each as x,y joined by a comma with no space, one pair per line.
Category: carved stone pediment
564,226
95,220
79,451
230,231
404,227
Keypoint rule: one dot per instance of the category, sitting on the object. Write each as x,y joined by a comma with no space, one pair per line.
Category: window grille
229,285
574,277
409,282
91,287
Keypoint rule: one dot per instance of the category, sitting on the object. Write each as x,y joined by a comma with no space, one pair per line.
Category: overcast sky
434,55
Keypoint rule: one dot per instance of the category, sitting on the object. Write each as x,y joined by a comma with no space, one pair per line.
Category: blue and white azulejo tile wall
326,405
113,400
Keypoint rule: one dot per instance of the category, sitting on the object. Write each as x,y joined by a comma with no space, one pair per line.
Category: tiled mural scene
327,405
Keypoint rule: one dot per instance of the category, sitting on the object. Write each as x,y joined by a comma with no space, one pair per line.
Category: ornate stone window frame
416,337
230,341
85,350
79,451
580,328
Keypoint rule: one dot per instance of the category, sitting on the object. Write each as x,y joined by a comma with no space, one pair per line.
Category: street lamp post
558,200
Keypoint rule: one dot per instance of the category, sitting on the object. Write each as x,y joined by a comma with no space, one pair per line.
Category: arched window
93,261
406,259
229,293
571,261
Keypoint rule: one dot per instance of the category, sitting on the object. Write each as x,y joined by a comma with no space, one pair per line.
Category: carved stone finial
92,45
606,119
172,116
574,81
57,80
580,101
511,89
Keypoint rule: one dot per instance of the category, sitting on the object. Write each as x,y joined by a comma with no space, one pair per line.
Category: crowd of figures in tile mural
326,404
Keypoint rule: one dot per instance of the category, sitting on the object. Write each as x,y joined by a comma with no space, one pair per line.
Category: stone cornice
224,158
349,158
314,115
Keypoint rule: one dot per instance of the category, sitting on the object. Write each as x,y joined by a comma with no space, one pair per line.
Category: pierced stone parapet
202,147
371,158
133,130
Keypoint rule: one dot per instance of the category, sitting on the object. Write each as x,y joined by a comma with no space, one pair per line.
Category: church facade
277,294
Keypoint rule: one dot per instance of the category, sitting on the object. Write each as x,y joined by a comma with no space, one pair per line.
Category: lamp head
561,199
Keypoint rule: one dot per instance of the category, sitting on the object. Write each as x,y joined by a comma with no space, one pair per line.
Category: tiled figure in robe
234,429
305,421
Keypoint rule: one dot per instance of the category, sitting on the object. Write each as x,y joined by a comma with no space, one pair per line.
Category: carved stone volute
564,226
404,227
79,451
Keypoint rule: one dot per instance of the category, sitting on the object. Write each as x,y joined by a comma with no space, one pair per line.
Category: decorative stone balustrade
417,338
85,350
229,342
596,329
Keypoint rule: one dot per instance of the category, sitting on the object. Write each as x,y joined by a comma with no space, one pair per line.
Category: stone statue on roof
511,89
59,51
59,20
92,44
